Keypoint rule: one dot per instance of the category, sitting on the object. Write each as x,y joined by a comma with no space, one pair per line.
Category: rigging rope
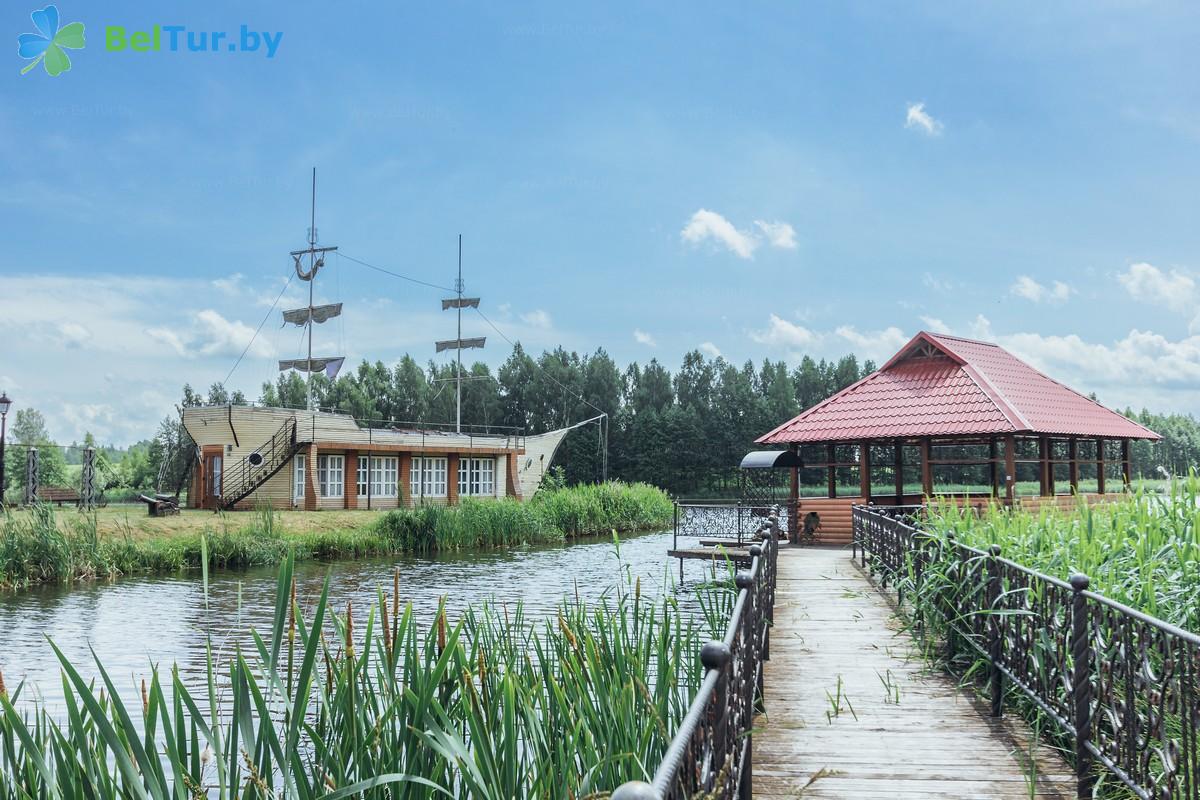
394,274
266,316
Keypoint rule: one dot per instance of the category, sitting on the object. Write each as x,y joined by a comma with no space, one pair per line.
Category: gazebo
952,416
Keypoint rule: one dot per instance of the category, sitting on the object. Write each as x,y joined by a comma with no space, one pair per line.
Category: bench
57,495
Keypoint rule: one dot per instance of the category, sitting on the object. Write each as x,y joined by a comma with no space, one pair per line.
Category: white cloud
706,224
779,234
874,344
1175,291
210,334
781,333
231,285
537,318
1031,290
644,338
72,334
919,119
1124,369
710,349
931,281
935,325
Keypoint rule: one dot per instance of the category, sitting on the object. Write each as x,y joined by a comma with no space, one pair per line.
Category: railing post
995,677
31,476
952,627
716,655
1081,686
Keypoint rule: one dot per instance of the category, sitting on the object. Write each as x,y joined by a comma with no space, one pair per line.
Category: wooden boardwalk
916,734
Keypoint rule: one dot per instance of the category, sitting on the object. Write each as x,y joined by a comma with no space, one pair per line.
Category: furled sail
299,316
460,344
460,302
330,366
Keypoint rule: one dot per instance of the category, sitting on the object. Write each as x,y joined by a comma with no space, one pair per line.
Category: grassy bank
44,545
364,704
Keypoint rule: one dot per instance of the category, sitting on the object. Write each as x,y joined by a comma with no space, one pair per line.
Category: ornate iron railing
1122,686
736,521
711,754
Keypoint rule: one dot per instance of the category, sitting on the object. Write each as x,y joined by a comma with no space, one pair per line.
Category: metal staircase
260,466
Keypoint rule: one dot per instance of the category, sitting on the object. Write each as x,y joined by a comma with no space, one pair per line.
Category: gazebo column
993,467
1010,469
926,467
1126,467
830,452
899,469
1046,476
793,509
1073,463
1100,467
864,470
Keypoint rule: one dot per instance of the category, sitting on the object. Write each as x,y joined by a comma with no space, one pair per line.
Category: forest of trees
684,430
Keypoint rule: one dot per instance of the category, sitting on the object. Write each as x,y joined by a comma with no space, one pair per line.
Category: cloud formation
641,337
710,350
919,119
1034,292
709,226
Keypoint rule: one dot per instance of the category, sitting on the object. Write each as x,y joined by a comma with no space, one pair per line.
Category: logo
47,47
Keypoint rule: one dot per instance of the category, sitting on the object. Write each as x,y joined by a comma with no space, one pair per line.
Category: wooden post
993,467
864,471
1126,467
310,478
1046,476
1073,465
926,467
452,478
1101,466
830,458
899,472
1010,469
350,490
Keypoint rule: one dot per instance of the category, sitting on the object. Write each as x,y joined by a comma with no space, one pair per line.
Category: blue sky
759,180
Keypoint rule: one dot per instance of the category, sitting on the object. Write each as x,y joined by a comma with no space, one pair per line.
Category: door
213,467
298,473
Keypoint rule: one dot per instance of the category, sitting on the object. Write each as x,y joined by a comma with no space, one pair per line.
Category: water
136,622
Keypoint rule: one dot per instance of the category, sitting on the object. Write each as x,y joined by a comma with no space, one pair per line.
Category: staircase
242,479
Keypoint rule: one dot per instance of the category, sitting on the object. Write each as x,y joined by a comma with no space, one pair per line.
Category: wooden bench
57,495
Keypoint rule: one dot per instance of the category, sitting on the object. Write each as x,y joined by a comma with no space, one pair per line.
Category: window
361,480
476,477
330,475
384,476
427,477
298,478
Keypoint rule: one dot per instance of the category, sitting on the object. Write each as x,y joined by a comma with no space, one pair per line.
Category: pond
136,622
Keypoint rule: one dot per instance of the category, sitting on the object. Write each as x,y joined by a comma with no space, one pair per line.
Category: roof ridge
1000,401
962,339
813,409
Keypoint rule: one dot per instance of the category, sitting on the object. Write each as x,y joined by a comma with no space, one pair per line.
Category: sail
299,316
330,366
460,344
461,302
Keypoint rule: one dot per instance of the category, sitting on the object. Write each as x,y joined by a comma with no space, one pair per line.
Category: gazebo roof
947,386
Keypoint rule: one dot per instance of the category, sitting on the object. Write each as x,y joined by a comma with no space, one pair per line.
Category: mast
312,315
459,303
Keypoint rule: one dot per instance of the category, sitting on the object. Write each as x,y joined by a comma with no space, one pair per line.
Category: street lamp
5,404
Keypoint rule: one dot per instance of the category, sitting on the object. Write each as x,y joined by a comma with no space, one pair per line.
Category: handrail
712,750
247,477
1122,685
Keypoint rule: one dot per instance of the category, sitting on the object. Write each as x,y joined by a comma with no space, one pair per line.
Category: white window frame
477,477
362,476
299,478
331,475
427,476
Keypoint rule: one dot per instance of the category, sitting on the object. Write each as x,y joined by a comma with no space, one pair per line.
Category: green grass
365,704
39,546
1143,551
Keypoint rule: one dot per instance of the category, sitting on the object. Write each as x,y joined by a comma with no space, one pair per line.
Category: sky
762,180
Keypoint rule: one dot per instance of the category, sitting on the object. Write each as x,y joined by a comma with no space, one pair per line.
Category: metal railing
711,752
736,521
1122,686
239,482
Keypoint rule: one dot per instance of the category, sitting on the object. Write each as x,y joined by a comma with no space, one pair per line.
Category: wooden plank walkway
916,735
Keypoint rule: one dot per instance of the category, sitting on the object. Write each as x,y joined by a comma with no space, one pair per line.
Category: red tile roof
940,385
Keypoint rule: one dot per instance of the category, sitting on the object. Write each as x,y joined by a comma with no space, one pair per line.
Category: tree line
684,430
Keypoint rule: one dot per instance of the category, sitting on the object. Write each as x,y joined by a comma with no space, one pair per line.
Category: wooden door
213,474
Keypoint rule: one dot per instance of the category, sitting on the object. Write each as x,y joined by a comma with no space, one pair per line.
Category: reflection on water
137,622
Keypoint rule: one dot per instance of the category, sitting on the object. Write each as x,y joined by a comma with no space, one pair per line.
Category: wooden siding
837,527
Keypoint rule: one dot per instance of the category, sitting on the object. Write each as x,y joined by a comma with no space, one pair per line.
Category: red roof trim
764,439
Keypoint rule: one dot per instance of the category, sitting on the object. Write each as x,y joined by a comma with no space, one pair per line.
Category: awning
771,459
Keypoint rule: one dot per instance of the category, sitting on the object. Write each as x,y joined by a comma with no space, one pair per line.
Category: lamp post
5,403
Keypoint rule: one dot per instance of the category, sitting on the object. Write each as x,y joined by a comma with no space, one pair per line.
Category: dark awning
770,459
